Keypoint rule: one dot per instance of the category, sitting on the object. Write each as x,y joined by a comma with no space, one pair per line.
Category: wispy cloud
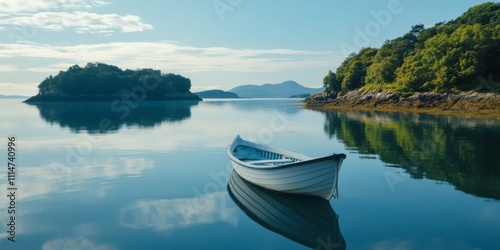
81,22
204,65
67,14
7,68
8,6
169,56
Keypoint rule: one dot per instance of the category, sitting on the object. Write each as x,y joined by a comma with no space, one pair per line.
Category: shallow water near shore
156,175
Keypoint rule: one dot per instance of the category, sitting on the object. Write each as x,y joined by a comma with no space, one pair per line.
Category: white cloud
8,68
203,65
81,22
9,6
62,14
172,57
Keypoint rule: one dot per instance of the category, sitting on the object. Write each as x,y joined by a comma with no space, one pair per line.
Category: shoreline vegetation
452,68
103,82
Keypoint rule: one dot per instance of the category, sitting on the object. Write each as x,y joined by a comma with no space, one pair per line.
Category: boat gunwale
238,140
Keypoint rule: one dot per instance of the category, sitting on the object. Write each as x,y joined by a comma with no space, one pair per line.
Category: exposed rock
428,101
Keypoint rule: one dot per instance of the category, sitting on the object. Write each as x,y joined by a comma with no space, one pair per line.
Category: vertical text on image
11,187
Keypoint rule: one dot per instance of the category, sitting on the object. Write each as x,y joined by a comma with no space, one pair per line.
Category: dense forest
451,56
99,79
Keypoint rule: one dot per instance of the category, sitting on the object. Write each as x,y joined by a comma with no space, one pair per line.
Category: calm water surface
155,176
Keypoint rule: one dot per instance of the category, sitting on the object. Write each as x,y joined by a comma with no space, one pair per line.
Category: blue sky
216,43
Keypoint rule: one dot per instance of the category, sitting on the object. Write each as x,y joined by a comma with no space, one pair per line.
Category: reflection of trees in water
101,117
462,152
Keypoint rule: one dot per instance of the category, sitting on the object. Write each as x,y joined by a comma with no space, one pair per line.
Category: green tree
487,14
352,72
178,82
453,61
331,83
391,56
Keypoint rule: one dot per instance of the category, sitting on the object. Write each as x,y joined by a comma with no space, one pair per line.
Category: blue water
155,177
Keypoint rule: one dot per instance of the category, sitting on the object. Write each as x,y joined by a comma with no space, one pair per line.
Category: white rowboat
285,171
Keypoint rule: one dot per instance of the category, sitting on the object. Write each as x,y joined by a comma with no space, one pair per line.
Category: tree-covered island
103,82
453,65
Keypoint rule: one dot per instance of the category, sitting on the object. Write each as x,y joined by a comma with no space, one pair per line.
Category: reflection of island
103,117
309,221
463,152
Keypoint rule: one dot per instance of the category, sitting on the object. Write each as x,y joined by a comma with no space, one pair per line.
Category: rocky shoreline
463,104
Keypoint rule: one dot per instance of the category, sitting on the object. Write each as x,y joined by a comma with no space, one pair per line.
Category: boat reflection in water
307,220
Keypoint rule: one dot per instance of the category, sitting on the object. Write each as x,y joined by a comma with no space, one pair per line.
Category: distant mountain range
281,90
13,97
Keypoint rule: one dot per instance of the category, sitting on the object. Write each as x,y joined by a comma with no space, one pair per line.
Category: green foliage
179,83
487,14
351,74
106,80
452,59
331,83
448,57
391,56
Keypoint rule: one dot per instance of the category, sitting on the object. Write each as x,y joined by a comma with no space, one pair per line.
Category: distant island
216,93
452,66
103,82
280,90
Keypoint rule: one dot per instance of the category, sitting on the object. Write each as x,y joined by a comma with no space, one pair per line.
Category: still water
155,176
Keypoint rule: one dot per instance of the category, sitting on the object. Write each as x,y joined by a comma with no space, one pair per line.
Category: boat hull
315,177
